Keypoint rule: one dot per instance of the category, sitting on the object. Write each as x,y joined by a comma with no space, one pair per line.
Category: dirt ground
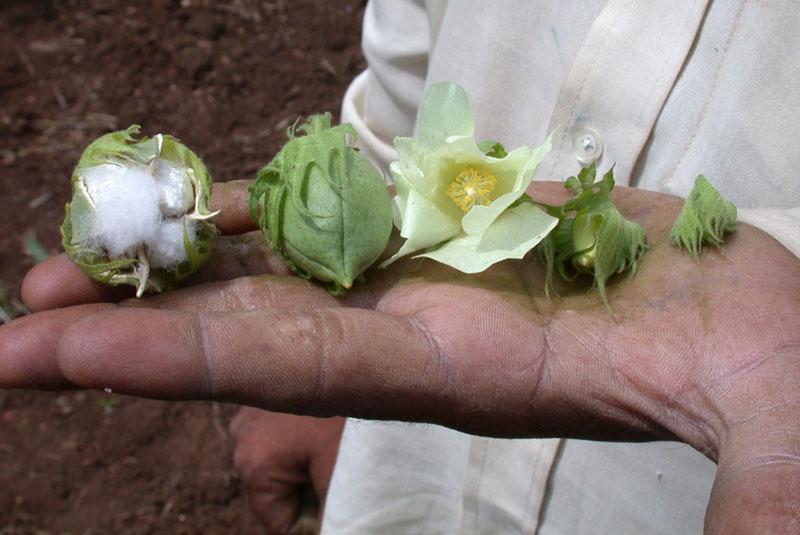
224,77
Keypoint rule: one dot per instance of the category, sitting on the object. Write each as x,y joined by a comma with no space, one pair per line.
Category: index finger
232,199
321,361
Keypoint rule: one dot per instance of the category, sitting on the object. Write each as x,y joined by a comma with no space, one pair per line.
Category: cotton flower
457,204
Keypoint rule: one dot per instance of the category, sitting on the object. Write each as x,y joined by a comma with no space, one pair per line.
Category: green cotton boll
139,213
705,217
323,206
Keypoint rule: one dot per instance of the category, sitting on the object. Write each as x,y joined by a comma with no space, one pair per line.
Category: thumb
757,488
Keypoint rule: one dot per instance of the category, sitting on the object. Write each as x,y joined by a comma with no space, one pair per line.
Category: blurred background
226,78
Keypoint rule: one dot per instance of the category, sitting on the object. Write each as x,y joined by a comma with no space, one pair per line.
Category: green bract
323,206
139,211
705,216
462,203
591,236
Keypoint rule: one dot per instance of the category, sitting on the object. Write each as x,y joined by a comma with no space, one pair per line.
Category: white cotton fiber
126,200
177,193
140,207
167,249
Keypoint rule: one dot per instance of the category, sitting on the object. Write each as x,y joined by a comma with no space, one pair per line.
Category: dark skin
704,352
285,462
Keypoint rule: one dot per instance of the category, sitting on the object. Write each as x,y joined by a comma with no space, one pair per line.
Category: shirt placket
621,77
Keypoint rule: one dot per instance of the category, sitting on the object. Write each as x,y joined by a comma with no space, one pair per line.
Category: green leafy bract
323,206
592,236
705,217
495,149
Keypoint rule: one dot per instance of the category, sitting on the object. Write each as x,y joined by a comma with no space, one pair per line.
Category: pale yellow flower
456,204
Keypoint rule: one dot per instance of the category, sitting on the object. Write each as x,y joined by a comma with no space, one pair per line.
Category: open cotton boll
134,209
126,207
166,249
177,193
134,200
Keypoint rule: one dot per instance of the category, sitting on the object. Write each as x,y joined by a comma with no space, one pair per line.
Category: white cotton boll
166,249
177,193
126,202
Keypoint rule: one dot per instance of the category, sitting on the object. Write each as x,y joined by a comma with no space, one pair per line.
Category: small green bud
323,206
705,217
139,211
584,231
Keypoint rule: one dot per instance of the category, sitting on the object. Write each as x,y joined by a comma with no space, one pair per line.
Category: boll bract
139,211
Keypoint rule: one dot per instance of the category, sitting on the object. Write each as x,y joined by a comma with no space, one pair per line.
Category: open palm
707,352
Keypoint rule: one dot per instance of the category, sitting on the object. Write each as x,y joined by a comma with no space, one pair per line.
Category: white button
587,145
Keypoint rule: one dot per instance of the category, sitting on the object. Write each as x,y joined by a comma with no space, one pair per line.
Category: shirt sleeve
381,103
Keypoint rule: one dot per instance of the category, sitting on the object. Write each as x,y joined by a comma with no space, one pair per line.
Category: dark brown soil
227,78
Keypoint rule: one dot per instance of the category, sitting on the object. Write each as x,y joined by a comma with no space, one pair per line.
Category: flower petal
478,219
402,187
444,112
423,225
515,232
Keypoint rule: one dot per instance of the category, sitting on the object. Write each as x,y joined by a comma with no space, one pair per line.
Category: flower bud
597,240
584,230
705,218
139,211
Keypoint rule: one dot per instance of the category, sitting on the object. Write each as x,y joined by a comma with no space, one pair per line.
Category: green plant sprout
33,248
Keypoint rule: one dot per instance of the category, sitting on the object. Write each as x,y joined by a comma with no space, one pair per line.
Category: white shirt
665,90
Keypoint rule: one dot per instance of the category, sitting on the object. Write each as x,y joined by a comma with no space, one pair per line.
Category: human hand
705,352
277,456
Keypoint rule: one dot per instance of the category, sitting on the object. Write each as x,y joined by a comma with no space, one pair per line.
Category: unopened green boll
139,213
323,206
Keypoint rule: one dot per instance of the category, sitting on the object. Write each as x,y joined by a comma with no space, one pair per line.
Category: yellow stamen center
471,187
